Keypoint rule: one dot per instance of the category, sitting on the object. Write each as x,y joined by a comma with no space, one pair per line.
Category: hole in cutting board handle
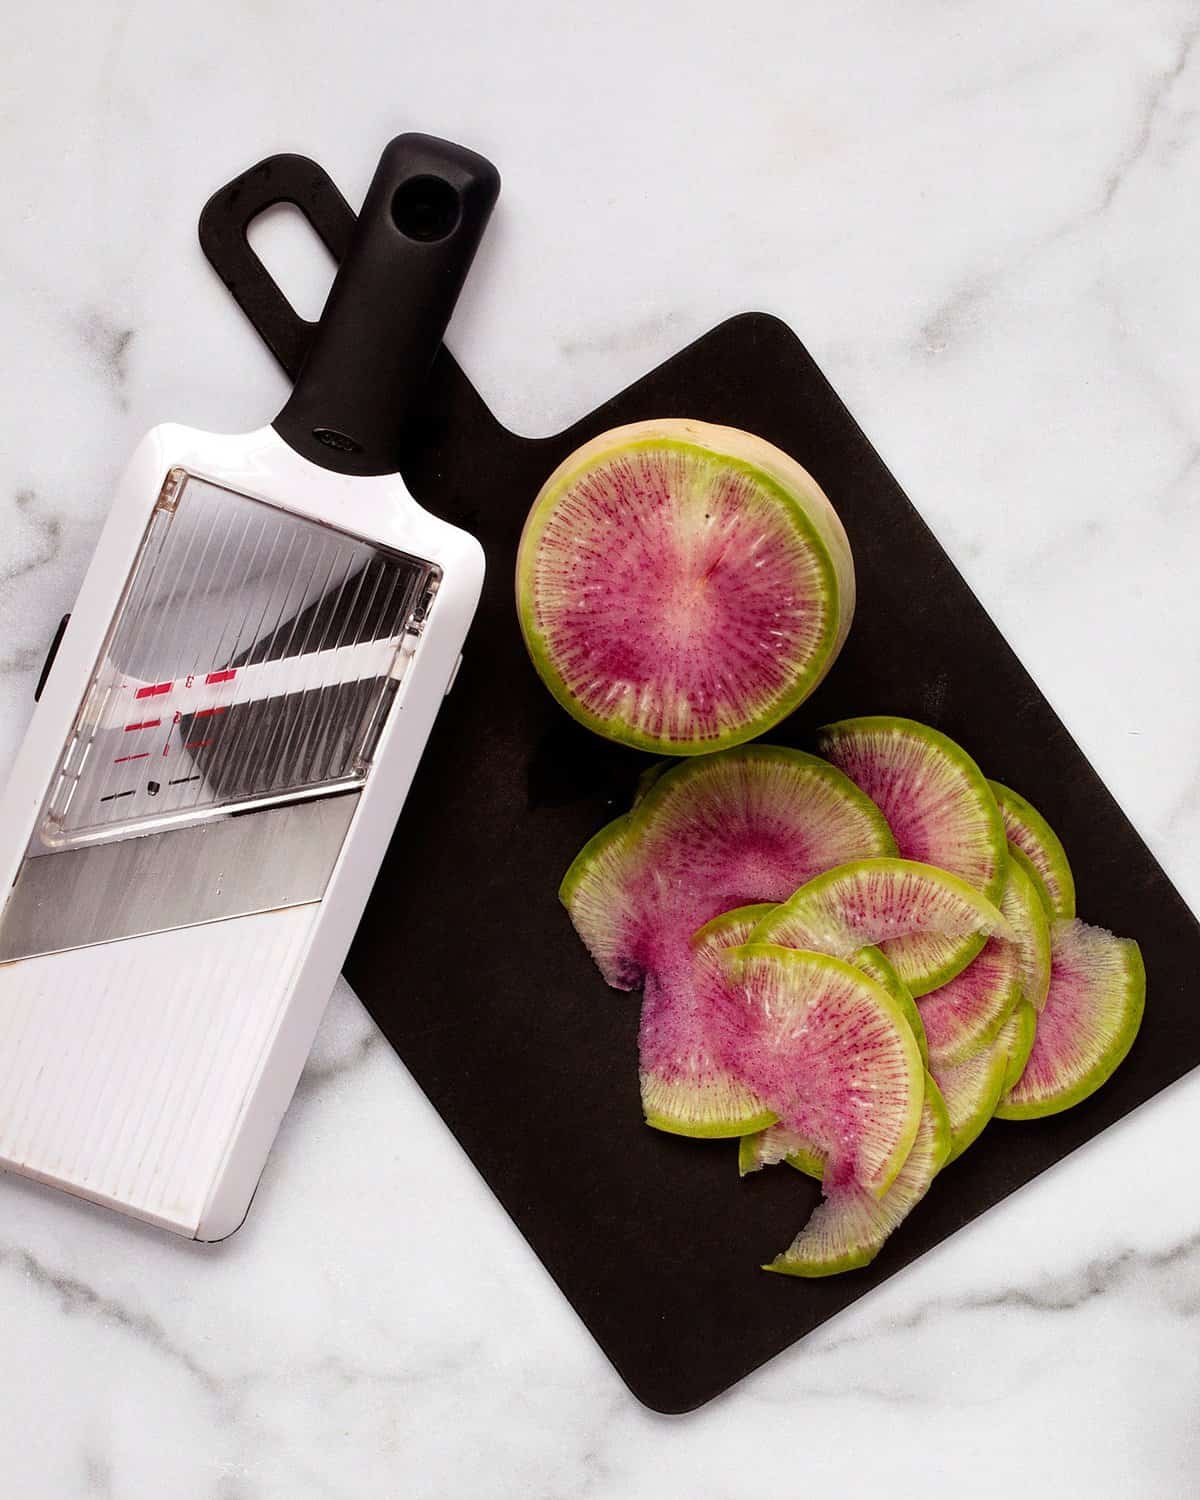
295,258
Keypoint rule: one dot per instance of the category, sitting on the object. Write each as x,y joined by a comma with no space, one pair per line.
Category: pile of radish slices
851,962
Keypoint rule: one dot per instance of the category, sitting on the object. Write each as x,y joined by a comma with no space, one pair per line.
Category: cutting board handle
228,214
416,236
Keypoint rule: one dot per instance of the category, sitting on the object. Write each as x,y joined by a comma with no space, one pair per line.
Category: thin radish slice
879,902
1018,1037
710,835
1092,1015
830,1052
1041,847
965,1015
850,1227
941,811
686,1033
776,1143
973,1089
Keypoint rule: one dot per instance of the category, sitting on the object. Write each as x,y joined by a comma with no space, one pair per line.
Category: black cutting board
471,968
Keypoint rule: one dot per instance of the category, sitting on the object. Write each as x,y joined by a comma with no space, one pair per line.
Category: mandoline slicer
224,742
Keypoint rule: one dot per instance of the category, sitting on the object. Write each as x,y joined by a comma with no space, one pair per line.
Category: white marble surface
983,219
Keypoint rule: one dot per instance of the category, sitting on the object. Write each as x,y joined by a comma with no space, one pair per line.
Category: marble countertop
983,221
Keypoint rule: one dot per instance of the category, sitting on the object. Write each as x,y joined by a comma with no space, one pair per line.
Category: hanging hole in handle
296,259
426,209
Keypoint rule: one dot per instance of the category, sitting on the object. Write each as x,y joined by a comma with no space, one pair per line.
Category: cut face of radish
876,965
881,902
1092,1015
710,835
682,587
848,1229
604,891
830,1052
973,1090
777,1143
965,1015
1033,837
686,1033
939,807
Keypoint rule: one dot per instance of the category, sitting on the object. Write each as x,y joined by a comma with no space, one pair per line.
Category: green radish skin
973,1090
965,1016
941,811
639,596
1039,849
1092,1016
1020,1035
878,902
830,1051
849,1228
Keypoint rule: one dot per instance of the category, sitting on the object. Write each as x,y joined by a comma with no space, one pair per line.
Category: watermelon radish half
940,809
881,902
711,834
682,587
849,1228
1092,1015
964,1015
973,1090
830,1052
1037,843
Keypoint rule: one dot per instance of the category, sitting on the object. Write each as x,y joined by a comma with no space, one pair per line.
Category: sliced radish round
1037,843
849,1228
1092,1015
939,807
605,893
776,1143
880,902
682,587
830,1052
974,1088
749,824
688,1030
964,1015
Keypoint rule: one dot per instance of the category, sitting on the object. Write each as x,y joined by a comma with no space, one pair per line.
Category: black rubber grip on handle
413,244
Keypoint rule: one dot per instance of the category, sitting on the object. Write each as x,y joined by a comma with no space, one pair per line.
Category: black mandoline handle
413,244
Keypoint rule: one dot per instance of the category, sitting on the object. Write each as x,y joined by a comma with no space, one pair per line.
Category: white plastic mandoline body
150,1074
